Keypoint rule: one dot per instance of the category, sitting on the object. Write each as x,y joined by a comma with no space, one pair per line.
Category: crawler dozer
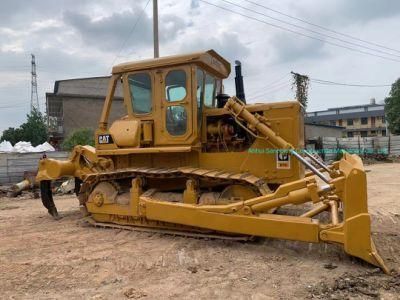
187,158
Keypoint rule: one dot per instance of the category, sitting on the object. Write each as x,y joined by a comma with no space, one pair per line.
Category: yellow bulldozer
189,159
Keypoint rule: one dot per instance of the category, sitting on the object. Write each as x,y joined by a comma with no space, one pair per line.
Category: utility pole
34,93
155,28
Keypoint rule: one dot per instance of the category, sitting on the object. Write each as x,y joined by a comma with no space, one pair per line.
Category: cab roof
209,60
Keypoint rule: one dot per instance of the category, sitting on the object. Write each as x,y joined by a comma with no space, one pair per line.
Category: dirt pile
372,284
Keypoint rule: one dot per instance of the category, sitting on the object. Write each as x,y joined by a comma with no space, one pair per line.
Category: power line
274,90
270,87
16,102
271,92
310,30
321,27
300,33
15,106
131,32
271,84
327,82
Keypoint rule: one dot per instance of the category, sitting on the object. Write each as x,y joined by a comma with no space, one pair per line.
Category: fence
13,165
386,145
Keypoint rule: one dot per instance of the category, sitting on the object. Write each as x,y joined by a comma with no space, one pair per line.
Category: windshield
140,89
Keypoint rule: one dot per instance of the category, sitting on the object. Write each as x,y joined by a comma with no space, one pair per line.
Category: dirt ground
45,259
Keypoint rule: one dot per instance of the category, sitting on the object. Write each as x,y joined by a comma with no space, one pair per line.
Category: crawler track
91,180
140,224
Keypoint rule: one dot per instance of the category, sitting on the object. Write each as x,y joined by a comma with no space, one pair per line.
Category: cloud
109,33
21,12
171,27
227,44
119,30
194,4
345,12
367,10
288,49
80,38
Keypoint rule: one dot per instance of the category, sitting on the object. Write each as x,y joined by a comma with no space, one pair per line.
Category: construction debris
4,190
25,147
17,188
66,187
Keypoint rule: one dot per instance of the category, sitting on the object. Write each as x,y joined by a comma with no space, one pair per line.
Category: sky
84,38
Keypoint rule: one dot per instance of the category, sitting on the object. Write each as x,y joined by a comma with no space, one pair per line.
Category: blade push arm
258,122
347,189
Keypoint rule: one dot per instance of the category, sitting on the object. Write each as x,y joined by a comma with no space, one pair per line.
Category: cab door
176,106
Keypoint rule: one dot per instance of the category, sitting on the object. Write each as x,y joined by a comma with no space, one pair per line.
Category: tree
13,135
34,130
83,136
300,83
392,108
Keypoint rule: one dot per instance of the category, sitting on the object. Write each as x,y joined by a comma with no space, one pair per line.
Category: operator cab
165,99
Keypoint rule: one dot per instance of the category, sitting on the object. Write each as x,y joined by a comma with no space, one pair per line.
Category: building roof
94,87
348,109
79,80
347,112
325,125
355,106
333,117
209,60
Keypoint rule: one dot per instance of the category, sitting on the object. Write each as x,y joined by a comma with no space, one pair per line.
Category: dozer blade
355,235
357,219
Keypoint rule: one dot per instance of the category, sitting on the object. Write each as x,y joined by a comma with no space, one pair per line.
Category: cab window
199,94
218,86
175,86
176,120
209,91
140,89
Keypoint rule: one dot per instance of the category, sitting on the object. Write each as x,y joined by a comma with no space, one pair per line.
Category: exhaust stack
239,81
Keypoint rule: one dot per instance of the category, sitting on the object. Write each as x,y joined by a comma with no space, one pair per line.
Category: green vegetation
34,130
83,136
392,108
300,84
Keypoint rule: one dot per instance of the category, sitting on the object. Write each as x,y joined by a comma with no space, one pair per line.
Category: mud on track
44,259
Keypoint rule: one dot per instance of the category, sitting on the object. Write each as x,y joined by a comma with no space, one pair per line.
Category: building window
340,122
373,133
383,119
140,88
364,133
384,132
175,86
333,123
350,134
350,122
364,121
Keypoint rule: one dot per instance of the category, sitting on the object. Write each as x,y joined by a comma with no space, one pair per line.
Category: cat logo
282,160
105,139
